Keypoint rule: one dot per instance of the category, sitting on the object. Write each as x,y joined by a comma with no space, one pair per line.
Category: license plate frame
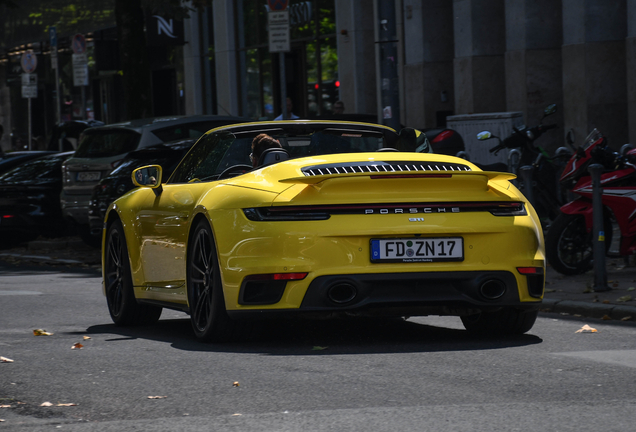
422,249
86,176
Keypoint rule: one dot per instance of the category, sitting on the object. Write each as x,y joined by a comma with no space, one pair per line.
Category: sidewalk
572,295
575,295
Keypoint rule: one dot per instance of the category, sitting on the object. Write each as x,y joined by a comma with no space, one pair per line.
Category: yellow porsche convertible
344,219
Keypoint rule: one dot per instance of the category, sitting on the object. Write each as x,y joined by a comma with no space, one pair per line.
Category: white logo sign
167,27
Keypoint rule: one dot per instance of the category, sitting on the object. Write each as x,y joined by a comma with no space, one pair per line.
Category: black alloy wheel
122,305
208,315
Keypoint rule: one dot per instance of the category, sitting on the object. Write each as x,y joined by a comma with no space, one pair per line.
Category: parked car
66,135
119,181
103,148
30,198
341,225
13,159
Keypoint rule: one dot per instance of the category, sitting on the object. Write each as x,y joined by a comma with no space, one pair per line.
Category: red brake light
444,135
530,270
278,276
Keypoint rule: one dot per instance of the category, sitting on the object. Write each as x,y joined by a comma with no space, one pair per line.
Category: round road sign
79,44
277,5
29,61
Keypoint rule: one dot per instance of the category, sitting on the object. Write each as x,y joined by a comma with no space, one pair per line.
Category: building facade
398,62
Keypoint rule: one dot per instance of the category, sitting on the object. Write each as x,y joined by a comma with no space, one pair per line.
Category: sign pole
54,64
279,42
29,125
283,85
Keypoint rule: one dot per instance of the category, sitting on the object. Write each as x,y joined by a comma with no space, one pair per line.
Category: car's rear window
187,130
107,143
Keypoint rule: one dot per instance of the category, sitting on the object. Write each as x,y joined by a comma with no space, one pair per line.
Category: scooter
569,247
548,197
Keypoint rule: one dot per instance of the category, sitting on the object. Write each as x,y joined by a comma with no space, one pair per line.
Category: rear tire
122,304
568,244
208,315
506,321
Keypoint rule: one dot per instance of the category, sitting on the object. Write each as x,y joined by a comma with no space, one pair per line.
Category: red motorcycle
569,239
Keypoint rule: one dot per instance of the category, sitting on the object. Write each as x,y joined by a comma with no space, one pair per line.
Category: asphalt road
423,374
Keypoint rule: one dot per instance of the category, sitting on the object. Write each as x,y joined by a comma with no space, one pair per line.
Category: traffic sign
53,36
277,5
29,61
279,35
80,70
79,44
29,85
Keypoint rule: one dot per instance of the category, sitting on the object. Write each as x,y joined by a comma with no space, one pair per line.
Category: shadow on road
334,337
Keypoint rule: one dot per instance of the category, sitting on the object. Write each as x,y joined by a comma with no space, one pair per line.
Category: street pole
388,61
600,272
283,85
29,147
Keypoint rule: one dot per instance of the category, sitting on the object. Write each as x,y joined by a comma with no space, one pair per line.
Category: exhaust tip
342,293
492,289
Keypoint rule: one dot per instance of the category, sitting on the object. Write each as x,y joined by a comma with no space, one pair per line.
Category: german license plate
414,250
88,176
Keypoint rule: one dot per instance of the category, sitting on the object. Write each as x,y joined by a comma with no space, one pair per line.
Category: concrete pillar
630,48
225,57
479,73
534,36
192,65
356,55
428,62
594,68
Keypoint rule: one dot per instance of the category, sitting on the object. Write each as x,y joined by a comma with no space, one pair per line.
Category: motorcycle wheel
569,248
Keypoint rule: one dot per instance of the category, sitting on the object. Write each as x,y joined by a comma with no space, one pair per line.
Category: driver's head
260,143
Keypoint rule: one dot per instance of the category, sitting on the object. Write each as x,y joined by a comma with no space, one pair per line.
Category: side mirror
549,110
484,135
413,140
147,176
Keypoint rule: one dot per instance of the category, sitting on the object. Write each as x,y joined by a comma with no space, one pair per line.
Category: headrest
272,156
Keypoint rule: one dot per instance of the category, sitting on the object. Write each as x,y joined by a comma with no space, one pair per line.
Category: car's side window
202,160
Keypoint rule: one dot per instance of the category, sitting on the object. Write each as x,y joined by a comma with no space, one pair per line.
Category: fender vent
382,167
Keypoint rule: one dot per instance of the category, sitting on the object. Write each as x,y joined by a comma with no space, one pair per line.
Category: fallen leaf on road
157,397
237,414
5,360
40,332
627,318
235,384
606,318
606,301
588,290
5,406
66,404
319,348
631,289
46,404
549,290
586,329
87,337
624,298
77,346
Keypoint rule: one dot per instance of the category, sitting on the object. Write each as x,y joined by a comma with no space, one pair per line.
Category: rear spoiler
315,179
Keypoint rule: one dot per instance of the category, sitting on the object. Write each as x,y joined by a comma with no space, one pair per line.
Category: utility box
499,124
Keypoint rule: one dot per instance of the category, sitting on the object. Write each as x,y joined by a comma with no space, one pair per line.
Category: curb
41,258
590,310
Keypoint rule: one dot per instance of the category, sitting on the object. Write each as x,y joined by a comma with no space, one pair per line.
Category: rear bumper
412,294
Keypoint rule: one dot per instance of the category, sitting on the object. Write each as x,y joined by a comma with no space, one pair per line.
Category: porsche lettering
413,210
